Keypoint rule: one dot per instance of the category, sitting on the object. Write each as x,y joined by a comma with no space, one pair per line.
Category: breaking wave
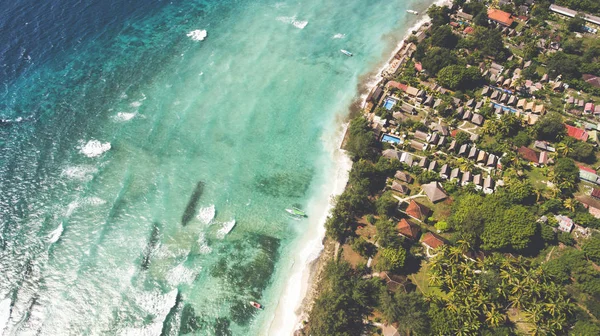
55,235
94,148
206,215
197,35
124,116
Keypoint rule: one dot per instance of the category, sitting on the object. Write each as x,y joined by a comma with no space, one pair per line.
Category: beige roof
412,91
521,102
539,109
529,106
434,191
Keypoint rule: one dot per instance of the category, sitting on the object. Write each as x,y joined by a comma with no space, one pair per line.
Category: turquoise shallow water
93,241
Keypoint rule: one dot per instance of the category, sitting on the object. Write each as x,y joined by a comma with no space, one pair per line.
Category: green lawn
537,177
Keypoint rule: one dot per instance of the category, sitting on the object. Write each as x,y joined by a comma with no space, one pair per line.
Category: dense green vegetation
589,6
505,268
345,300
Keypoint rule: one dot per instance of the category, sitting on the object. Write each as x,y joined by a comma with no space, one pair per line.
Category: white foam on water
197,35
84,173
86,201
5,311
300,24
338,36
180,275
156,304
207,214
71,208
124,116
138,103
93,201
203,247
225,229
94,148
55,235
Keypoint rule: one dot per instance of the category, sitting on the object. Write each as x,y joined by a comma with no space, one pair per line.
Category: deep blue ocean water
128,149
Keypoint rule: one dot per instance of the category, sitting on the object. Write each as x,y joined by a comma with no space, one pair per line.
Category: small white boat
347,53
412,11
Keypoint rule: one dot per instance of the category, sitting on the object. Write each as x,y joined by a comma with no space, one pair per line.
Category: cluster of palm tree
508,124
479,293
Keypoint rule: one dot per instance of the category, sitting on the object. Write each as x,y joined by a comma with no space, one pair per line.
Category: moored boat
256,305
412,11
347,53
296,212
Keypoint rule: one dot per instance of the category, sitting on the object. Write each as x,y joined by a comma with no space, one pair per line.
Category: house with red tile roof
501,17
589,108
396,85
469,30
407,229
417,210
577,133
529,154
431,242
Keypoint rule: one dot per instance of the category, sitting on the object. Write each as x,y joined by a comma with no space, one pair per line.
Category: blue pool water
390,139
389,103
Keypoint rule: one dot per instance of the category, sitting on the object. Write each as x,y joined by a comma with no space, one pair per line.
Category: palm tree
493,317
538,194
563,149
490,127
566,185
464,164
570,204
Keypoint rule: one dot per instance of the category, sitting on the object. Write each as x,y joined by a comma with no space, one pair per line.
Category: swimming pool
391,139
389,103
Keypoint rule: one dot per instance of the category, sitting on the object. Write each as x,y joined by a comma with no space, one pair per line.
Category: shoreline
316,267
290,311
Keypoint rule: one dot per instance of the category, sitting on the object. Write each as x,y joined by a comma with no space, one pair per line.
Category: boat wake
206,215
225,229
338,36
55,235
197,35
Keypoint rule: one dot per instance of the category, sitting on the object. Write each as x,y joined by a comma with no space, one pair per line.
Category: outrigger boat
296,212
347,53
256,305
412,11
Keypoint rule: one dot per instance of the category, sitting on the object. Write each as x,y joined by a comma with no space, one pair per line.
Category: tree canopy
564,64
343,304
550,127
457,77
361,142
